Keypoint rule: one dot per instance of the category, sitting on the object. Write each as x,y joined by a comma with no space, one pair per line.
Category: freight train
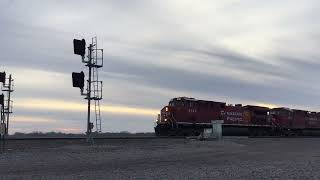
185,116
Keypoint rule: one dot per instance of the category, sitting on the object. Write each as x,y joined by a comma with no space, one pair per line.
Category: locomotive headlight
165,120
167,109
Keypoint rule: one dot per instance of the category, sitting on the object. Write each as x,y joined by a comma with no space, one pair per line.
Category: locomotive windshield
176,102
181,103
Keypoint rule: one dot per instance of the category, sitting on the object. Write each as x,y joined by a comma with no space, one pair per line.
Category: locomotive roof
299,110
195,100
257,107
292,110
282,108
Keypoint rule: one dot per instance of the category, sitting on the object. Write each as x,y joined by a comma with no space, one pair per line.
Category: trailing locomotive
185,116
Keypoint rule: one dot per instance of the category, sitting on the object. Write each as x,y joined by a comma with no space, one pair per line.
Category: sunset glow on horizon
60,105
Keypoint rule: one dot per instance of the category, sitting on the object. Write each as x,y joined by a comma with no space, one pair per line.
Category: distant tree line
61,134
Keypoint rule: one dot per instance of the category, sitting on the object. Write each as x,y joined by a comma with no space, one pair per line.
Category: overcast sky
235,51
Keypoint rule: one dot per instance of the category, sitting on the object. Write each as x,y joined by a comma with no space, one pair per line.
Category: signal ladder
96,85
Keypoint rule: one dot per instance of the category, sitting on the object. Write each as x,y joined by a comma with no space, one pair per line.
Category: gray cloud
219,85
244,51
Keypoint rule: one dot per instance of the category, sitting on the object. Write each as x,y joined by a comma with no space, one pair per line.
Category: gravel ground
231,158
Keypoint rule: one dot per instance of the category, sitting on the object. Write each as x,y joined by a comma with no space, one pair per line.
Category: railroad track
142,137
284,137
83,137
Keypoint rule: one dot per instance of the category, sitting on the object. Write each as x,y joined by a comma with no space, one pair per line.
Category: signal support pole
9,102
94,85
7,110
89,89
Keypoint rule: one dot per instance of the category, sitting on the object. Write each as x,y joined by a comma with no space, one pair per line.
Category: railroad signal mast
6,104
93,92
2,132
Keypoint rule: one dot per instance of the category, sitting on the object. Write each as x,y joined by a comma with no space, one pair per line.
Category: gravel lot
231,158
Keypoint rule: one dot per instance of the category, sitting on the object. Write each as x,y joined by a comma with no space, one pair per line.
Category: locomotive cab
166,120
185,115
165,115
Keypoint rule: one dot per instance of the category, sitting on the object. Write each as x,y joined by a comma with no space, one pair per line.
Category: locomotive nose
165,110
164,115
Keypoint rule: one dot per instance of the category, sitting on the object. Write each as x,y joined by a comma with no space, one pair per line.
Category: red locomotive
188,116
